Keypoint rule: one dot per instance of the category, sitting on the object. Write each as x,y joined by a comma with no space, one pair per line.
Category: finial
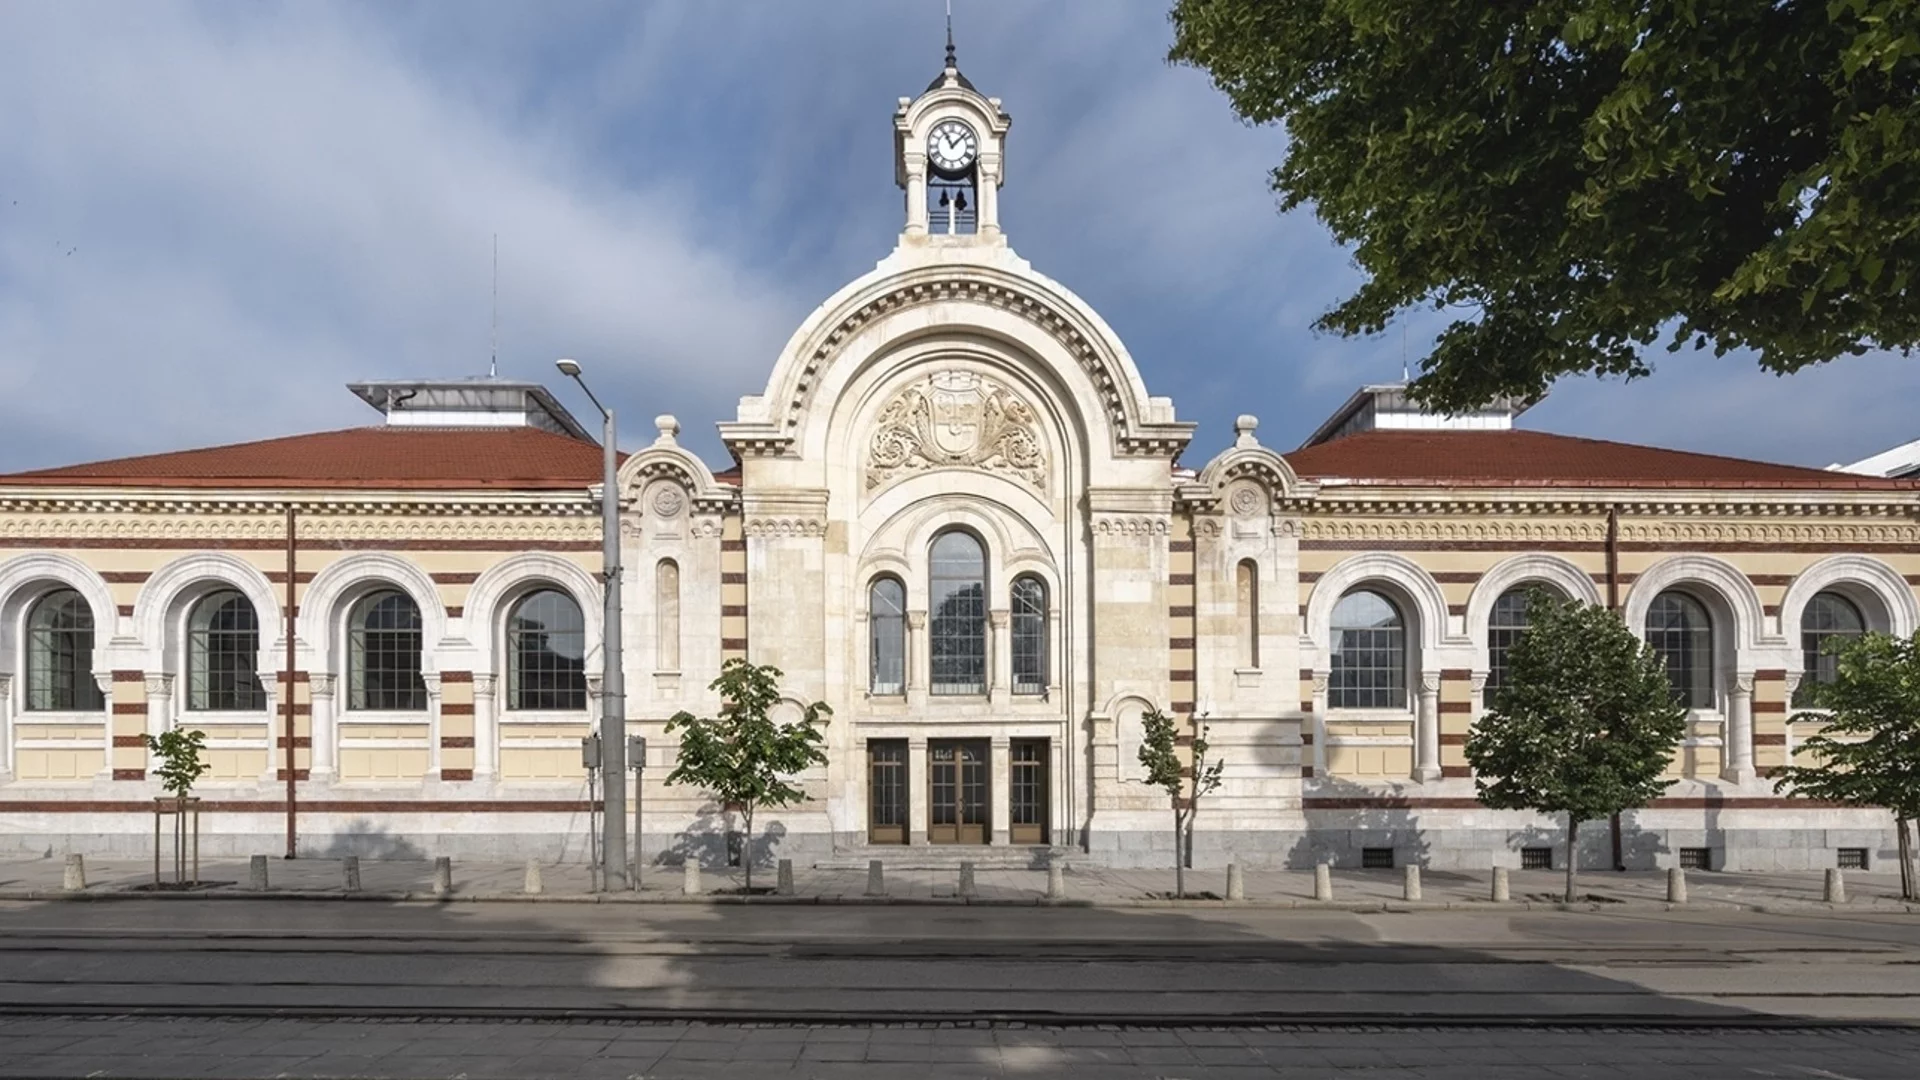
951,62
1244,426
668,427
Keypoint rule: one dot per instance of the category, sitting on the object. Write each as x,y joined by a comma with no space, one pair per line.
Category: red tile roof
1537,459
507,458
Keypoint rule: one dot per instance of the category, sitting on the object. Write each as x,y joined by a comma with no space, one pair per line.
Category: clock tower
949,157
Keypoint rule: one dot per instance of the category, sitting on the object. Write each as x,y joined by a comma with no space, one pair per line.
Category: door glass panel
887,792
1027,801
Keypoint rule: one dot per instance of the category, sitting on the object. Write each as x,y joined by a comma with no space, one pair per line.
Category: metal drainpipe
1613,605
287,704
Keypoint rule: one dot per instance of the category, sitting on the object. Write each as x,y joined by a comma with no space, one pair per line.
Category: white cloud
262,208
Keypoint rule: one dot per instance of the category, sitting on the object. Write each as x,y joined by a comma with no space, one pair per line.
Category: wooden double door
959,791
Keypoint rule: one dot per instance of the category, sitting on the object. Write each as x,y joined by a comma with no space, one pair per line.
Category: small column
919,674
321,767
432,679
6,726
104,680
917,791
1426,767
486,734
987,190
159,703
1000,789
916,196
1736,765
999,656
1321,679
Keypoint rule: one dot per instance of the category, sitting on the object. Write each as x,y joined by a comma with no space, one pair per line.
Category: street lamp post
613,688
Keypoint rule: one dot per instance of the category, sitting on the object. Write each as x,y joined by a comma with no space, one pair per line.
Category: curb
1388,907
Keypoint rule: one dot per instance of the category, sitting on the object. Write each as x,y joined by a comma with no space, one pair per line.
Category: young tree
1867,752
1183,783
178,752
1580,179
1584,724
743,757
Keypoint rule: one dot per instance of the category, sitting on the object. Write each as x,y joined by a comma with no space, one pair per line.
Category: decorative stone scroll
956,419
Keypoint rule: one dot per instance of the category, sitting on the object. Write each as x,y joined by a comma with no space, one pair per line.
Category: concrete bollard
1836,887
690,879
783,881
1322,882
351,866
1056,880
1676,886
1411,890
1236,888
257,873
75,879
443,876
534,884
1502,892
966,880
876,879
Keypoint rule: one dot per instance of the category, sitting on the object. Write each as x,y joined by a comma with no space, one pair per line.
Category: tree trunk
1573,852
1908,891
746,847
1180,864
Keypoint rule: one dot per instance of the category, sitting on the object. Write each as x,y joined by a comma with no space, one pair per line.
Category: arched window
384,643
957,595
223,655
1369,653
1829,618
666,616
1029,603
1505,623
60,655
1246,611
546,653
887,627
1680,632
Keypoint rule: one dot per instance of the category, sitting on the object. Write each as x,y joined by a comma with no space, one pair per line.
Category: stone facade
952,390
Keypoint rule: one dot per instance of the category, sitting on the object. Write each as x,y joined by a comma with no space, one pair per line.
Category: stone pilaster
1426,767
323,767
486,729
1737,765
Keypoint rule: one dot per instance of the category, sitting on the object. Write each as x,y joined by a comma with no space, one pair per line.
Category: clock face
951,146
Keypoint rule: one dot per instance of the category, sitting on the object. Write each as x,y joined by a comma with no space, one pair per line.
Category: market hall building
957,515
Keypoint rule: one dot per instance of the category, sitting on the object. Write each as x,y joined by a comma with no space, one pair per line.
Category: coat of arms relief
956,419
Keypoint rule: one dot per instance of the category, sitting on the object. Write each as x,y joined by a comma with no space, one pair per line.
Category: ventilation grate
1536,858
1851,858
1696,858
1376,858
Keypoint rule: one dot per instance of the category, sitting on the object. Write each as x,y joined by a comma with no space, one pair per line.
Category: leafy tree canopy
1580,179
1867,751
1585,722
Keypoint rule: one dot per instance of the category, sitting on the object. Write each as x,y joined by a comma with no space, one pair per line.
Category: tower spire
951,62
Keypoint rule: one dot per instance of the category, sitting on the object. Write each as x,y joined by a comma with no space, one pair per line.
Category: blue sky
214,216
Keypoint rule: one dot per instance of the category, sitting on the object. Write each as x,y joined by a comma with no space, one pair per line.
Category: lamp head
569,368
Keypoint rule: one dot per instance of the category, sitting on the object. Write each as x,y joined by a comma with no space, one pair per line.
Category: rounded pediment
971,297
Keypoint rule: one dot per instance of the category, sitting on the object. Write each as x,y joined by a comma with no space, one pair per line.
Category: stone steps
947,857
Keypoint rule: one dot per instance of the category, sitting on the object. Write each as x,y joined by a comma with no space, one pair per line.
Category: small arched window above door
887,637
1029,604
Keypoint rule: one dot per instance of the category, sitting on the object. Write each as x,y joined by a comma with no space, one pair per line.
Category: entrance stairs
948,857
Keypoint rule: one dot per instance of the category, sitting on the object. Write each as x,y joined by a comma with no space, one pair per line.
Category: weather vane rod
950,60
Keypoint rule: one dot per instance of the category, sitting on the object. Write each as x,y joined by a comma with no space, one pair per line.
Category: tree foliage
743,757
178,751
1183,781
1580,179
1585,723
1867,751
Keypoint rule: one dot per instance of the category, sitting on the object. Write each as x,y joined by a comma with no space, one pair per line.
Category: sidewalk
412,880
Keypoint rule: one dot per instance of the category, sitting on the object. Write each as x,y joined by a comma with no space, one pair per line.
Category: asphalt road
270,987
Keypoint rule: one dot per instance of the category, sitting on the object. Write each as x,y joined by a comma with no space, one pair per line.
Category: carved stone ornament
1246,500
668,501
956,419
